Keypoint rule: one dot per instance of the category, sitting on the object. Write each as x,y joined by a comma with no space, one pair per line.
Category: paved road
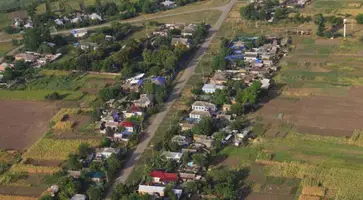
181,82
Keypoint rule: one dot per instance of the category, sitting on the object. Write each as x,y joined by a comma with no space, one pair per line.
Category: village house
219,78
79,197
129,126
189,30
250,56
157,190
76,20
78,33
105,153
181,41
133,111
95,16
163,177
198,114
175,26
26,57
161,32
85,46
145,100
168,4
113,126
205,140
159,80
188,177
181,140
59,22
4,65
204,106
188,124
172,155
97,177
226,107
211,88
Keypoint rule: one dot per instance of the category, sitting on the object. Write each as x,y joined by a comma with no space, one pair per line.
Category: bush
53,96
359,18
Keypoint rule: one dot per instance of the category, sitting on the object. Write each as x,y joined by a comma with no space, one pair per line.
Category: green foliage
249,95
200,159
359,18
113,164
221,97
53,96
109,93
95,193
121,190
106,142
84,149
204,127
320,21
73,162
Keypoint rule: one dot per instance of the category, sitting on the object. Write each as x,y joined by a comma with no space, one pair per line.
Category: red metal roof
126,124
164,176
134,109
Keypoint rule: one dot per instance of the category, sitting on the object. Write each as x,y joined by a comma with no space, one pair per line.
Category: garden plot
23,122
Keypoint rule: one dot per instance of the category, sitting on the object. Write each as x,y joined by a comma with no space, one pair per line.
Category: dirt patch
22,191
17,14
90,90
43,162
265,196
23,122
328,42
323,115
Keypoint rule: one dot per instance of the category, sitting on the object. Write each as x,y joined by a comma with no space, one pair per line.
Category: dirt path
181,82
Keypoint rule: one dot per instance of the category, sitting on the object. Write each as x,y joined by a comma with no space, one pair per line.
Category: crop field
52,149
23,122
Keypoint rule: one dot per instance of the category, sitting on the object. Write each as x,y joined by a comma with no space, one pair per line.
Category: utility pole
345,27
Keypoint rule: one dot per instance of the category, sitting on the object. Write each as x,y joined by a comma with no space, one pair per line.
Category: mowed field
23,122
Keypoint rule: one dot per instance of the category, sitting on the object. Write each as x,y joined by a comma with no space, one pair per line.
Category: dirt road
181,82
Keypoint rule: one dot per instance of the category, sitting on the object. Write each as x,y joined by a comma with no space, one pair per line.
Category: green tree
84,149
106,142
32,39
359,18
73,162
121,190
237,109
109,93
113,164
221,97
200,159
204,127
95,193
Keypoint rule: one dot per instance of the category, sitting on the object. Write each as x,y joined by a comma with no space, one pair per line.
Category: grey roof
151,189
205,104
79,197
201,113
